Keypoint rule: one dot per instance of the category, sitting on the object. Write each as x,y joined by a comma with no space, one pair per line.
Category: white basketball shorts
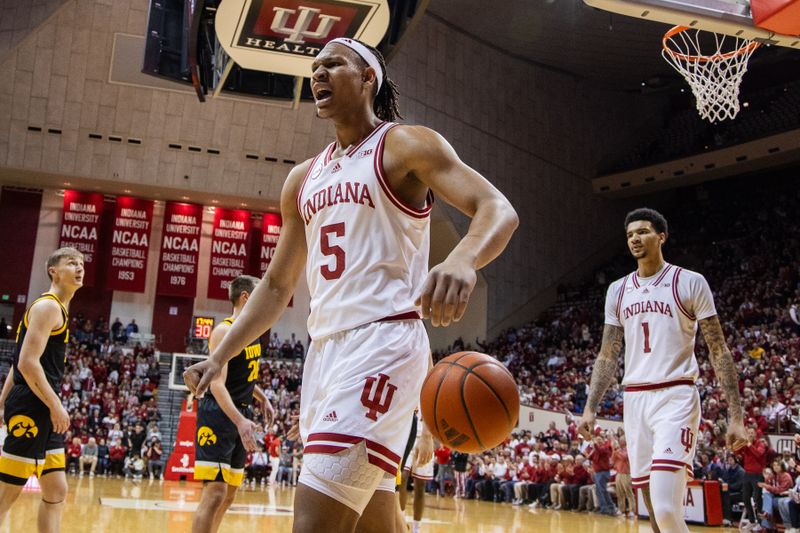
661,426
362,385
423,471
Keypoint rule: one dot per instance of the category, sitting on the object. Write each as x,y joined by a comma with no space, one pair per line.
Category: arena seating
747,244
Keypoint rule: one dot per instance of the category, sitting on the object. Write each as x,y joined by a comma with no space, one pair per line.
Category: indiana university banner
129,244
270,231
228,250
180,250
80,228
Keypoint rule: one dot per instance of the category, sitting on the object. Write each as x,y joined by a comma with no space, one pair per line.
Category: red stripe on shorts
666,468
383,465
323,448
335,437
374,446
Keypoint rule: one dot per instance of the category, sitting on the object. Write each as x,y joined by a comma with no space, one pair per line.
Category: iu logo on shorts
687,438
375,400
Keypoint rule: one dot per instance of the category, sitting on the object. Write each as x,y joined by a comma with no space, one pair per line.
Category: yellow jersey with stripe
243,371
53,357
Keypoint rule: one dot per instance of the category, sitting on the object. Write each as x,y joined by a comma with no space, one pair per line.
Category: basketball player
35,418
357,217
225,430
420,470
656,311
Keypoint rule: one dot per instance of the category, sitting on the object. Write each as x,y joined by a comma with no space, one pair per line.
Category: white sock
667,490
415,526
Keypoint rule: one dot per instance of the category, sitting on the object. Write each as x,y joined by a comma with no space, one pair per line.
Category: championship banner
228,250
180,250
284,36
270,231
80,228
130,242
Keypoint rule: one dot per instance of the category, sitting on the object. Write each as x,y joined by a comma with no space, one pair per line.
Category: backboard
729,17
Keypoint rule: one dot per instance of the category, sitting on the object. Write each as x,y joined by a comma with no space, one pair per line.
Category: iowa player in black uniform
33,413
225,431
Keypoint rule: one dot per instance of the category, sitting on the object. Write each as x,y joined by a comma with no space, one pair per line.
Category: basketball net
713,65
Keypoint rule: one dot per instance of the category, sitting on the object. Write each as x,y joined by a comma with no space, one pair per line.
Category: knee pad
347,476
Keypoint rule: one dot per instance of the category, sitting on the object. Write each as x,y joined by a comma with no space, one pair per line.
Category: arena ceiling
613,51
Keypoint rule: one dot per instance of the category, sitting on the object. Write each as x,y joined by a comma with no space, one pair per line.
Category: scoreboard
202,326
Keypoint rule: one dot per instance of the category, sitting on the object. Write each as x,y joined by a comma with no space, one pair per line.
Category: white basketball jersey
367,251
659,315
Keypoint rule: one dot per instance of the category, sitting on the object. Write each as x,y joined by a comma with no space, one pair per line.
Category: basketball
470,402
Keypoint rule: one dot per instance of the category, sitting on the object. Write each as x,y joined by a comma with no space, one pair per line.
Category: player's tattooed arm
724,366
606,367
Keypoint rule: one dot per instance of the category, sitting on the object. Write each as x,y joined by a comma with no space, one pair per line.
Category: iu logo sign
687,438
284,36
377,398
299,32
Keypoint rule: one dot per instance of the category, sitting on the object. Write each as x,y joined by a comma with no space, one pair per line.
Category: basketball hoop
714,77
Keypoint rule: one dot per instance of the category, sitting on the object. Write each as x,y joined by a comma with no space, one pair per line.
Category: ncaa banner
270,231
130,242
80,228
180,250
284,36
229,255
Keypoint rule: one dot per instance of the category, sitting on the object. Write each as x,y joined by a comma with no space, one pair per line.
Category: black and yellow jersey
243,372
54,356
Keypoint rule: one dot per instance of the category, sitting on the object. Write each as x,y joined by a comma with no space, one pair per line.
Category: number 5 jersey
367,250
659,315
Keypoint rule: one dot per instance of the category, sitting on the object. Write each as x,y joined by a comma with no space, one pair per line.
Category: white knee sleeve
347,476
667,490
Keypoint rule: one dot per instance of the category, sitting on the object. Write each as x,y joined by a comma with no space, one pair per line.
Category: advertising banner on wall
130,241
80,228
180,250
270,231
229,250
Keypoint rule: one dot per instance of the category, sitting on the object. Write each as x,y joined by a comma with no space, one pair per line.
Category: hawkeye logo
206,436
22,426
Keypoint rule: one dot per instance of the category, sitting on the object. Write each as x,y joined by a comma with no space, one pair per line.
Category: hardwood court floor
109,505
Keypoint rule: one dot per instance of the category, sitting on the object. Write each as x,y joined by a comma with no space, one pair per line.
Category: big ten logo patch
22,426
377,395
206,436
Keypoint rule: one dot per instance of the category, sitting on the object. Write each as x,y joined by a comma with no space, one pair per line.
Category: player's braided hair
386,104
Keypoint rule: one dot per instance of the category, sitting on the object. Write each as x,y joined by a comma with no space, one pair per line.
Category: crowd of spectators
110,391
747,244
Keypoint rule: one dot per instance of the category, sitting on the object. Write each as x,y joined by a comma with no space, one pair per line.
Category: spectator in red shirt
578,477
776,486
74,454
525,476
600,456
622,482
274,448
445,471
116,456
754,461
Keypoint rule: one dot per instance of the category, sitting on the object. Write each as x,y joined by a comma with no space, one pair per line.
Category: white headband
365,54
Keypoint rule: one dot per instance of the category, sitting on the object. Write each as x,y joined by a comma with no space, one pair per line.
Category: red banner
270,231
129,244
180,250
228,250
80,228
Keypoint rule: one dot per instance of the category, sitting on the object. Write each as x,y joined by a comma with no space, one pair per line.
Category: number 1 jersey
367,250
659,315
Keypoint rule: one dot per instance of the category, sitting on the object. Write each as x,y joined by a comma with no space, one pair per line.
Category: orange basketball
470,402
